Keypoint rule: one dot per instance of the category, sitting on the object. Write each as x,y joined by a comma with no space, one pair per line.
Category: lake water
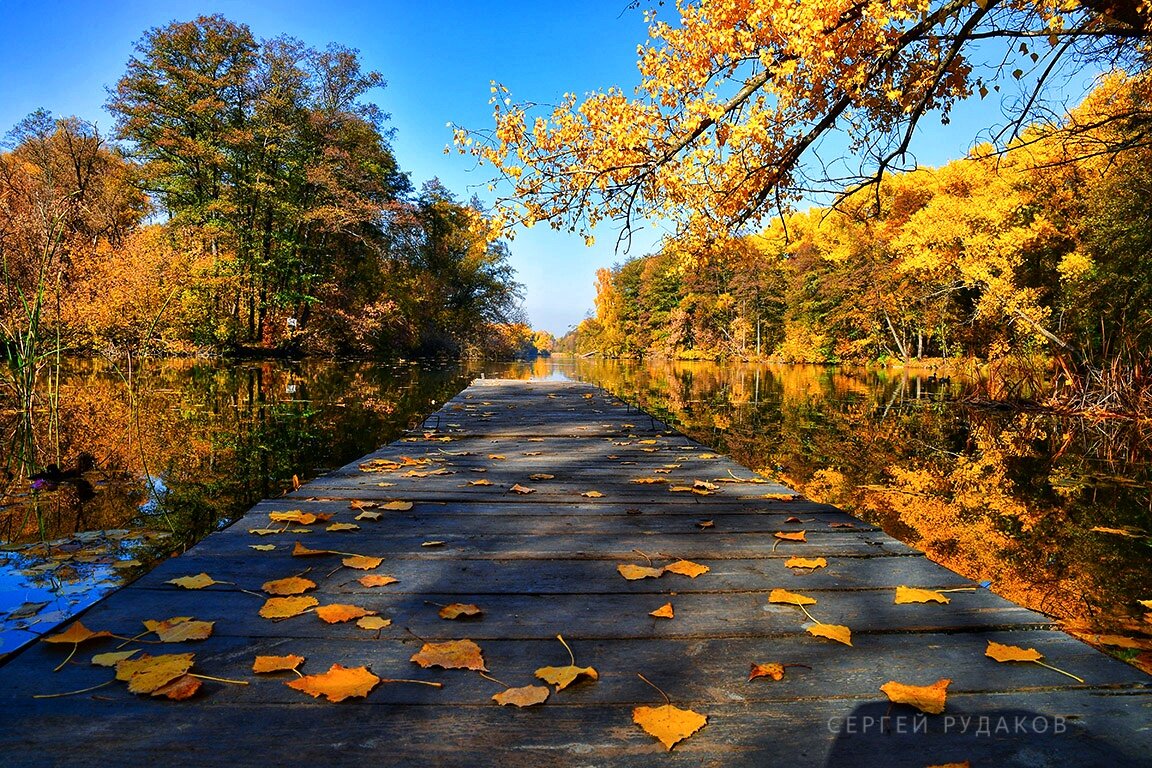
1050,512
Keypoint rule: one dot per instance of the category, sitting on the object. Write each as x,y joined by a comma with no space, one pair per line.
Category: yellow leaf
293,585
199,581
481,481
373,622
592,494
397,506
837,632
914,595
669,724
647,480
262,547
687,568
1146,603
806,562
926,698
791,598
663,612
1002,652
362,562
521,489
460,610
497,456
453,654
778,496
341,612
791,535
370,515
338,527
772,670
149,673
76,633
376,580
264,664
113,658
431,543
337,684
284,607
264,531
180,629
562,677
524,696
539,476
633,572
295,516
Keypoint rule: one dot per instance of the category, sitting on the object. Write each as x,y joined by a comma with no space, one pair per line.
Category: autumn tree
745,107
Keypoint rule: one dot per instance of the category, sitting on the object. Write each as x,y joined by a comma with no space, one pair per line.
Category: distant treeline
1045,250
248,198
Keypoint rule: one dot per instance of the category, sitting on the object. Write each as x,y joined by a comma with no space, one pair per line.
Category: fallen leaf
149,673
373,622
778,496
199,581
460,611
791,598
337,613
397,506
262,547
453,654
669,724
359,504
338,527
705,524
537,476
791,535
811,563
663,612
293,585
633,572
302,551
362,562
562,677
687,568
337,684
841,525
285,607
926,698
370,515
1146,603
1002,652
123,564
964,764
183,687
647,480
521,489
837,632
293,516
76,633
914,595
264,664
497,456
113,658
180,629
264,531
376,580
592,494
481,481
431,543
1120,641
1132,533
772,670
524,696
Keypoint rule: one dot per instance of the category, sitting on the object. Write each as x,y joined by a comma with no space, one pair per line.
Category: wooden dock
545,563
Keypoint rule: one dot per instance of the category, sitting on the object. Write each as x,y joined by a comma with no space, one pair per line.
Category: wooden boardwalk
545,563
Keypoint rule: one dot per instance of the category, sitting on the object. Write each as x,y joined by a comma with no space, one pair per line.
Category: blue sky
438,59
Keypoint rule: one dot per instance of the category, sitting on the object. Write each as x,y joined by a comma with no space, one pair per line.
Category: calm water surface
152,459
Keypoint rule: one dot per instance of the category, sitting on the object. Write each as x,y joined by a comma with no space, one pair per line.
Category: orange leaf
362,562
687,568
294,585
633,572
76,633
180,629
181,688
276,663
791,535
926,698
806,562
454,654
1002,652
460,610
521,489
302,551
525,696
669,724
562,677
337,684
375,580
837,632
772,670
663,612
791,598
913,595
592,494
341,612
148,673
373,623
284,607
